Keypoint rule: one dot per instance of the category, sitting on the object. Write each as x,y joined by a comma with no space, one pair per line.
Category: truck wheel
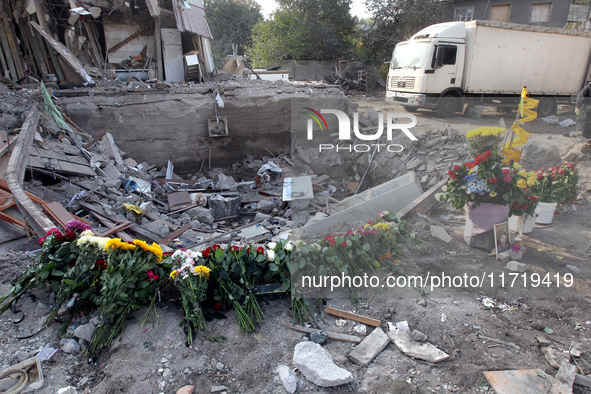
410,109
447,106
546,107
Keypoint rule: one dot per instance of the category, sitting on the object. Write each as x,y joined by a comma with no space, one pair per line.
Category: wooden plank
8,52
119,226
353,316
122,234
95,140
11,35
24,38
128,39
34,48
3,61
93,43
158,37
14,221
58,213
64,53
320,179
331,335
175,234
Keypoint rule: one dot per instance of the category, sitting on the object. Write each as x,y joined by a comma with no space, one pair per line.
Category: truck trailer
447,65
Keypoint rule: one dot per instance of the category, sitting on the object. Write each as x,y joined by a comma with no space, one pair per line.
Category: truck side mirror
439,56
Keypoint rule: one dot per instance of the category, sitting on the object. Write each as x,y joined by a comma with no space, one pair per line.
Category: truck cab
426,71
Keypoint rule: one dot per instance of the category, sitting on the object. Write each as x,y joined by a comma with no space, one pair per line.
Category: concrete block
505,256
424,351
440,233
392,196
318,367
371,346
516,266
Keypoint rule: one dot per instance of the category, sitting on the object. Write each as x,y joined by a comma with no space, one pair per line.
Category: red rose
41,240
477,160
534,198
457,168
333,243
59,237
70,234
217,305
492,179
53,231
505,171
344,243
450,172
470,165
525,205
260,250
454,176
206,253
100,264
350,232
152,276
488,153
215,247
234,249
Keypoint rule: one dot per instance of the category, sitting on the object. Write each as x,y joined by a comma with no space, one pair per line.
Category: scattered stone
440,233
288,378
422,302
202,214
167,374
41,309
573,268
217,389
219,366
516,255
267,205
85,331
418,336
516,266
543,340
262,216
21,356
554,357
318,337
226,183
67,390
186,390
537,325
370,347
424,351
504,256
318,367
360,329
70,346
158,227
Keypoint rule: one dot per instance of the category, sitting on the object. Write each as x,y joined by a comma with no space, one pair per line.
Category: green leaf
273,267
57,272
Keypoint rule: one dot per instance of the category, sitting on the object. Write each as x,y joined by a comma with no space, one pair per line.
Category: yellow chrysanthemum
112,243
141,244
125,246
471,133
522,173
173,274
202,270
493,194
517,166
485,133
522,183
380,226
157,250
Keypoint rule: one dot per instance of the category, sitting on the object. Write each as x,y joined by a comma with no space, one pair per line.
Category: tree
303,30
398,20
231,22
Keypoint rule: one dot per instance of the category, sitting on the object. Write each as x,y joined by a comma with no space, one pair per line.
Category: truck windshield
413,55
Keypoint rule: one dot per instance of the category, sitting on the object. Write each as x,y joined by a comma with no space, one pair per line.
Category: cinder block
370,347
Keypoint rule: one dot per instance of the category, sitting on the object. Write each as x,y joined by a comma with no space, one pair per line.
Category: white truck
447,65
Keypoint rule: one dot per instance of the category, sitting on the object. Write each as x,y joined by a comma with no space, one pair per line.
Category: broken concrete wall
155,126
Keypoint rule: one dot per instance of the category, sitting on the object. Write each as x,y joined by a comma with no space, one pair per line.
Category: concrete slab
528,381
396,195
370,347
423,351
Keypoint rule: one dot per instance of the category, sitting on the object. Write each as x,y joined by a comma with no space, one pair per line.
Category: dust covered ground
156,359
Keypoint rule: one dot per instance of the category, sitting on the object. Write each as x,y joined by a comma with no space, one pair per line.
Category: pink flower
152,276
570,165
508,178
41,240
561,171
350,232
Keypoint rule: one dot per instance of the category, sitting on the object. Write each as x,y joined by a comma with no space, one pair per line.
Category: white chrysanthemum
270,255
271,245
87,233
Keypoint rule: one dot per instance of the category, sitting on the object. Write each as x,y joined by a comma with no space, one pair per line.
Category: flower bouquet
557,184
58,255
192,280
132,273
484,139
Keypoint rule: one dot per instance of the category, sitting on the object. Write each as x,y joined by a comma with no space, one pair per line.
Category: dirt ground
156,359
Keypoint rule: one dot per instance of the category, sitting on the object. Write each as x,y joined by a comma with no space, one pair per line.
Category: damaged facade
75,42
